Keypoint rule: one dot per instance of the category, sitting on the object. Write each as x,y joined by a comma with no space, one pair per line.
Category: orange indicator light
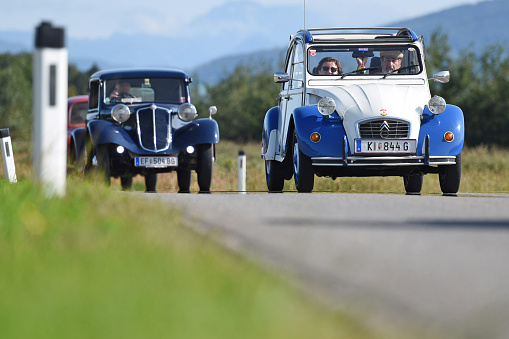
315,137
449,136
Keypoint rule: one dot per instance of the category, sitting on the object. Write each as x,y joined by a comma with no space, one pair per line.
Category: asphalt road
433,265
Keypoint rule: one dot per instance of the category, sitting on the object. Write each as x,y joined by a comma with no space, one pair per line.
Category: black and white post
241,165
49,129
9,167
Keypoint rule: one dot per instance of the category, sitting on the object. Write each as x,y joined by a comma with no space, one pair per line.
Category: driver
121,90
391,60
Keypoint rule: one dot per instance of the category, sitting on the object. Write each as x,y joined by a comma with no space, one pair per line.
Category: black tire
126,183
413,183
450,177
151,182
204,167
184,180
274,175
103,162
303,172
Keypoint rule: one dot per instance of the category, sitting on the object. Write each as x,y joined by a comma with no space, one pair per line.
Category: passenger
329,66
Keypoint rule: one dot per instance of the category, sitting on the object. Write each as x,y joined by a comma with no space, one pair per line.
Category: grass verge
102,264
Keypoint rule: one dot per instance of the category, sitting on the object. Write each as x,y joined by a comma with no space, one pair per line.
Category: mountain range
233,34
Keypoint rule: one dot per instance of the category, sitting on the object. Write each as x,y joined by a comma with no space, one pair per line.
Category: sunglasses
332,69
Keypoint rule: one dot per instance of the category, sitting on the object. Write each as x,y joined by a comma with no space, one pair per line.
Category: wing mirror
281,77
442,77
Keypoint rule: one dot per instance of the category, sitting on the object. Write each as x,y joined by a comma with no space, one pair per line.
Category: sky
93,19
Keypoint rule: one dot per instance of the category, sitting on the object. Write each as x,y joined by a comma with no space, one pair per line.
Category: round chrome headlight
326,106
120,113
437,104
187,112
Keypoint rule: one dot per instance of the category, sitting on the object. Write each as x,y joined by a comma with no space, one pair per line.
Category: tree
242,99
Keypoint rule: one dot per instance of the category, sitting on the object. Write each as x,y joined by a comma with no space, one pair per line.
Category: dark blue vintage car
141,121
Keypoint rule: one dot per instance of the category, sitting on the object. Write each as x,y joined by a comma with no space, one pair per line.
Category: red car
77,109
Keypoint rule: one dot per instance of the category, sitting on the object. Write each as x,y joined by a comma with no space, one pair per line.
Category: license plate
155,161
386,146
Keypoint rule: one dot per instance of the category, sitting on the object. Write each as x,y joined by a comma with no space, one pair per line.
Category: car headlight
187,112
120,113
326,106
437,104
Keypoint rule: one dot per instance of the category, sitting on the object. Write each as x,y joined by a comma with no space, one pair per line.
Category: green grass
102,264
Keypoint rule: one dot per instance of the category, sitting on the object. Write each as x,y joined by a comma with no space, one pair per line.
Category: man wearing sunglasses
329,66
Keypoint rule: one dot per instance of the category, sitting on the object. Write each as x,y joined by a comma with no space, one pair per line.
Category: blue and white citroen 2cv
356,102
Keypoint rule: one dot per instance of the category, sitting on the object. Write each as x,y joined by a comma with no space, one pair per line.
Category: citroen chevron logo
384,129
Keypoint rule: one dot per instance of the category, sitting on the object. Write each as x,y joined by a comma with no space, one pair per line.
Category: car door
291,97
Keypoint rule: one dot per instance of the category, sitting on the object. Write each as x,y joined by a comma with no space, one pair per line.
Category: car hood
359,102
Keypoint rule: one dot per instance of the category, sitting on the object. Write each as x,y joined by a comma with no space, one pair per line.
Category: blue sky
92,19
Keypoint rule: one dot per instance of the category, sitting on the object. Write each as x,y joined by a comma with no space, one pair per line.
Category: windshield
133,90
363,61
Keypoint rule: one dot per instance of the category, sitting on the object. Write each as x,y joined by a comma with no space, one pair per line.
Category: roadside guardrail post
49,129
7,155
241,165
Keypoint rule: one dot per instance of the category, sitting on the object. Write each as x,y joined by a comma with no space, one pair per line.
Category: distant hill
232,33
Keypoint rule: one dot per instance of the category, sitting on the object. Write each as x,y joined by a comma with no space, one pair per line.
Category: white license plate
155,161
386,146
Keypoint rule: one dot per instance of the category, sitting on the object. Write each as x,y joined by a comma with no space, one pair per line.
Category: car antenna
304,15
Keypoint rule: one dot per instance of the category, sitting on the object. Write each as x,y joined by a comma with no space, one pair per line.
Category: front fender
269,133
435,126
104,132
78,141
200,131
307,120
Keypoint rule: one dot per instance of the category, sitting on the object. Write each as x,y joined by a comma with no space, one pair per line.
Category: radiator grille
154,128
384,128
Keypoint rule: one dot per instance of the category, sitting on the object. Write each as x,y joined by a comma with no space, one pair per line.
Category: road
429,264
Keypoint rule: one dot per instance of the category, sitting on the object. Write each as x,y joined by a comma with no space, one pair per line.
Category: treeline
479,86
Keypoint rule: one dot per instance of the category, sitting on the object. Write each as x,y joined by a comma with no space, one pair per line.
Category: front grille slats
154,128
384,128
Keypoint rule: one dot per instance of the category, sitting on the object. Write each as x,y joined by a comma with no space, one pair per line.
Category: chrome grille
384,128
154,129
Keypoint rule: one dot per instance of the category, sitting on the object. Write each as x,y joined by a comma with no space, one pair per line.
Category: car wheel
303,172
184,180
151,182
450,177
103,162
413,183
274,175
126,183
204,167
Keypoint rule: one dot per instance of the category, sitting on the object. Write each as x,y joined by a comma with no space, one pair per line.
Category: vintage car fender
78,141
200,131
270,133
307,119
435,126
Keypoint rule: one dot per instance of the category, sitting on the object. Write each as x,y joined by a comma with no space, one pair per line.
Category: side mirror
281,77
212,111
442,77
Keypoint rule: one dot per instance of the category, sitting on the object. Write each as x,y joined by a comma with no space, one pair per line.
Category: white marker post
9,167
49,129
241,165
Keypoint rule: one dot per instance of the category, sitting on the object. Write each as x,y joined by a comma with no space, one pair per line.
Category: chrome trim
383,161
396,128
168,136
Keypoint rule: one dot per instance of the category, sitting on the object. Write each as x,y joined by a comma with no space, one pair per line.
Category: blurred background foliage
479,86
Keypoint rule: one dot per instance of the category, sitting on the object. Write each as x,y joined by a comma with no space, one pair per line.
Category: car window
93,98
298,66
398,61
78,113
129,90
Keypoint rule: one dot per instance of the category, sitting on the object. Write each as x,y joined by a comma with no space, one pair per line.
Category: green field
98,263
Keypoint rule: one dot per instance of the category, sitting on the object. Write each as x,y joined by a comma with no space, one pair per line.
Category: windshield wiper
400,69
359,70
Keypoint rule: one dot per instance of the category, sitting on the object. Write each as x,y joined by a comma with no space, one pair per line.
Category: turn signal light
315,137
449,136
